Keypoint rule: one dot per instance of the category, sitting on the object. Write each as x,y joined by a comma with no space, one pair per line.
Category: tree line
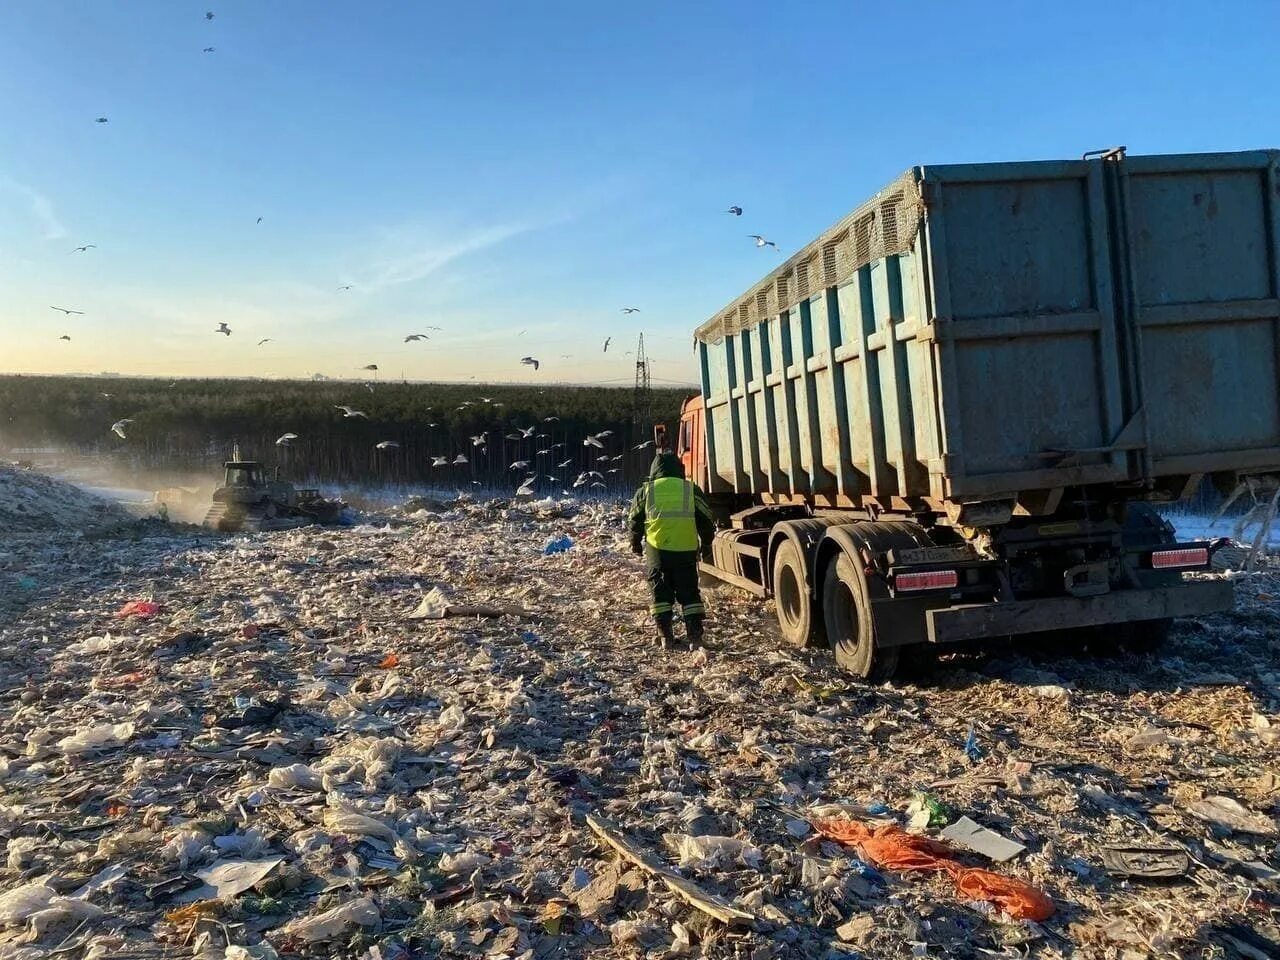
187,426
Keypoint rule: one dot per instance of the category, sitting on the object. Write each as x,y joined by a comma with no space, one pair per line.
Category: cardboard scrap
972,836
709,903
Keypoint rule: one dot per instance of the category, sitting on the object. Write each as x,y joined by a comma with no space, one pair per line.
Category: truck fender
806,534
864,541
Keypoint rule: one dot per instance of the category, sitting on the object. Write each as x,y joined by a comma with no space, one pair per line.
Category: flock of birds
591,477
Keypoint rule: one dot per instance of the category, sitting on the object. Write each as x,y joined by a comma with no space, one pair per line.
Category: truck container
947,418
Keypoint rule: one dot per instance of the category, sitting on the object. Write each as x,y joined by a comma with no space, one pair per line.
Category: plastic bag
100,737
142,609
250,844
716,851
20,852
63,911
93,645
559,544
462,864
23,902
296,776
333,923
343,818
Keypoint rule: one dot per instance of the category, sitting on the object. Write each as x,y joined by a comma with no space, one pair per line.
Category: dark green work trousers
673,578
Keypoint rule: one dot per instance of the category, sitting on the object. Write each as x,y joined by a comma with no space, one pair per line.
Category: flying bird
460,459
285,439
479,440
604,433
485,399
118,428
259,220
208,15
439,461
387,445
368,386
349,412
223,328
561,466
546,451
370,366
78,313
264,340
346,287
735,210
630,309
607,341
101,120
527,432
519,465
87,246
531,362
643,446
416,336
593,442
550,419
208,50
526,488
65,337
761,241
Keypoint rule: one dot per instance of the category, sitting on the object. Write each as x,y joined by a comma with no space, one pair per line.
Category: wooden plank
711,904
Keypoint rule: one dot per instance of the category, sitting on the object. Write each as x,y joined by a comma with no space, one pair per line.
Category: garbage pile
447,732
32,503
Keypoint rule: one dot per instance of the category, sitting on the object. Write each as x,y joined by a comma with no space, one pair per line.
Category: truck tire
800,623
846,608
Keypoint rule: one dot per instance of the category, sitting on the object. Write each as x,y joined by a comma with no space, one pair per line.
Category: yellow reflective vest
670,514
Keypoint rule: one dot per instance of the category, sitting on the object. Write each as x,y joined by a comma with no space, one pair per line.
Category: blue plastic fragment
557,545
971,748
878,809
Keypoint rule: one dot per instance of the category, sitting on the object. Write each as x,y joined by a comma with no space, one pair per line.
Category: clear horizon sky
492,168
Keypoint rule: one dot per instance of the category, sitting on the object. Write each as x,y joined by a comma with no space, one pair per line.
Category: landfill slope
271,755
32,503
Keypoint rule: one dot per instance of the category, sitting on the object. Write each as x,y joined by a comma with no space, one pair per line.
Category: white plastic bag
716,851
22,902
99,737
344,818
333,923
296,776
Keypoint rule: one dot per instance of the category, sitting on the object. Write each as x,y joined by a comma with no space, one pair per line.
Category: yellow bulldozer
248,501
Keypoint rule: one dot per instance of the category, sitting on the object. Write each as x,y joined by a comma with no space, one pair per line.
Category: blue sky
492,168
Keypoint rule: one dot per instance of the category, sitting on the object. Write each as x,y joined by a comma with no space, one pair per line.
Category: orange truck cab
691,445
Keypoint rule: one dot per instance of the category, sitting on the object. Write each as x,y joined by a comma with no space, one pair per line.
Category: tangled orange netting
891,847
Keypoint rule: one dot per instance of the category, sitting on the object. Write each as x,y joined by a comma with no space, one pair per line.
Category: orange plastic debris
889,846
138,608
389,661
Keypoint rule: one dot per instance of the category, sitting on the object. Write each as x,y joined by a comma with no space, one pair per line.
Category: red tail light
1181,557
928,580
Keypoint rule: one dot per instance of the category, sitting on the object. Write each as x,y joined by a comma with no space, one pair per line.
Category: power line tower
642,399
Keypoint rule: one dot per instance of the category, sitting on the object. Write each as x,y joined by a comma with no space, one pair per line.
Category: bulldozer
247,501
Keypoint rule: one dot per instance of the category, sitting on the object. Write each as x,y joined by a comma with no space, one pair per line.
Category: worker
670,519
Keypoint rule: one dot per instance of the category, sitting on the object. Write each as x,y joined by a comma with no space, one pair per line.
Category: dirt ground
400,787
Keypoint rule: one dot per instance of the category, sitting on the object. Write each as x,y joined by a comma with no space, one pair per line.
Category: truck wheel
846,607
792,600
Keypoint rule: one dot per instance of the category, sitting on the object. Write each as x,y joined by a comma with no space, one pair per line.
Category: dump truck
248,501
949,417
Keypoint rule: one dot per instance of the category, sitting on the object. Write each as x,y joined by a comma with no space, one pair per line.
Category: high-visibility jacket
669,511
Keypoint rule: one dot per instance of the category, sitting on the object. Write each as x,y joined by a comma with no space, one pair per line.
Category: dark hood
666,465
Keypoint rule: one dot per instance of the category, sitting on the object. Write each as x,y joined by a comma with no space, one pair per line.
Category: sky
516,173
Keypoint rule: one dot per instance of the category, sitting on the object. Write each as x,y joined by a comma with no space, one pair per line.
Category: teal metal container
1003,331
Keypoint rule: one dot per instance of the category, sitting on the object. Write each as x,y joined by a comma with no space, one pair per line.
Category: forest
187,427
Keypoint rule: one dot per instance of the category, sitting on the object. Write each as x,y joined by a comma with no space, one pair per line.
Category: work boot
666,632
693,629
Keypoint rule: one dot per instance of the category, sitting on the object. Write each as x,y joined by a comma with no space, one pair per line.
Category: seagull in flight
607,341
370,366
630,309
101,120
519,465
604,433
65,337
460,459
264,340
223,328
78,313
526,488
118,428
208,15
593,442
527,432
561,466
761,241
258,221
735,210
479,440
550,419
413,337
285,439
209,49
439,461
530,362
349,412
346,287
643,446
387,445
87,246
